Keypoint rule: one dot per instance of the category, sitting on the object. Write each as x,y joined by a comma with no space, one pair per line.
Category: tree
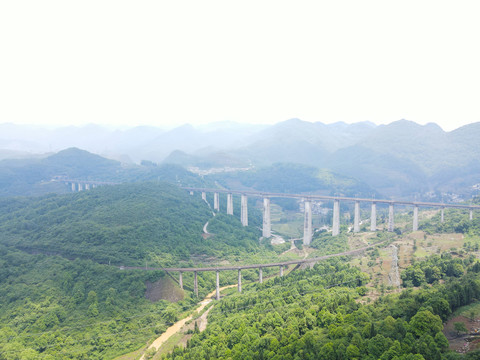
441,341
424,322
327,352
352,352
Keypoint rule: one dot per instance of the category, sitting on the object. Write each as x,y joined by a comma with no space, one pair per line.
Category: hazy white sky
173,62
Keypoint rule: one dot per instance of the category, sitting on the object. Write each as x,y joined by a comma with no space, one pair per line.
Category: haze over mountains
396,159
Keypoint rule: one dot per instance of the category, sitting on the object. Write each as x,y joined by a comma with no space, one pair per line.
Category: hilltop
33,176
123,225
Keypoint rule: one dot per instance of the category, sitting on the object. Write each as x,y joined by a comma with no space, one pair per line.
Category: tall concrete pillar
239,280
356,217
229,204
216,202
373,217
244,210
204,196
442,215
471,214
267,228
180,280
415,218
80,186
195,283
191,192
74,187
307,223
260,275
336,218
391,222
94,186
281,270
87,186
217,292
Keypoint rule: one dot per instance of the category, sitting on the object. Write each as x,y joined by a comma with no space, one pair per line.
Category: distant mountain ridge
395,159
33,177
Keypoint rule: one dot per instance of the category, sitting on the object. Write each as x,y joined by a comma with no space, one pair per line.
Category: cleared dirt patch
464,342
163,289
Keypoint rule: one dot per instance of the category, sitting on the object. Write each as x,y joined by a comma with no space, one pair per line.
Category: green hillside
63,295
119,224
323,313
123,225
386,172
53,308
294,178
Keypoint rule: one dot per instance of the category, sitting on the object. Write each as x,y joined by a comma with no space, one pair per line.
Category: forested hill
323,313
293,178
123,224
29,177
59,297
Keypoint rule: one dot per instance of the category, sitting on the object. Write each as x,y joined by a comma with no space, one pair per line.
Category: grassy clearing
133,355
174,340
412,246
468,310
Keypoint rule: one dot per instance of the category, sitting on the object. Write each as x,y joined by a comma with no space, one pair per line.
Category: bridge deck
340,198
256,266
91,182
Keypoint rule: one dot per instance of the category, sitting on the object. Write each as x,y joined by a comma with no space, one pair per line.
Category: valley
250,180
95,273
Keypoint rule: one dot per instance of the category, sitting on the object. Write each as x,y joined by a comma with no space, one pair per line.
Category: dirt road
157,343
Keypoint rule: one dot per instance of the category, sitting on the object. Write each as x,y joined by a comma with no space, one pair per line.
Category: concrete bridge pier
229,204
94,186
191,192
391,222
471,214
239,280
267,227
244,210
218,286
74,188
336,218
260,275
356,218
87,186
415,218
216,202
204,196
281,270
195,283
80,186
442,215
307,224
373,217
180,279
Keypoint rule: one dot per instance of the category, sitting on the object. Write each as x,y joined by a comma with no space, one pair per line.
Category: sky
165,63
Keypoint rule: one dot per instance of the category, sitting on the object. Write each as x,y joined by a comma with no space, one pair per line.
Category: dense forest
53,308
322,313
123,225
63,294
117,224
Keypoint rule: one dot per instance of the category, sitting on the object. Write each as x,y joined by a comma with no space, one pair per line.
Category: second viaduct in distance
307,199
